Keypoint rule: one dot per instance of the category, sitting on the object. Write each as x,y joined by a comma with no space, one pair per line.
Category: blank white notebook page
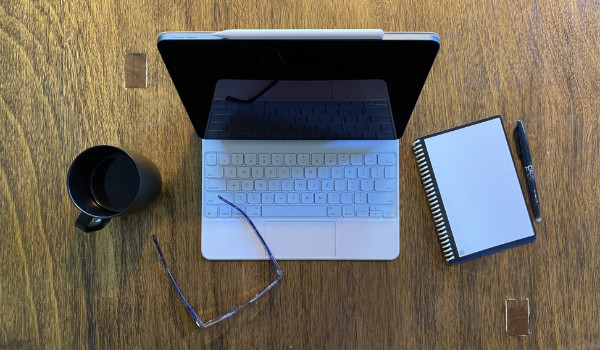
479,187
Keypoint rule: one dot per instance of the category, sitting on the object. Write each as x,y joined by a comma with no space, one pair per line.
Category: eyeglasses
235,309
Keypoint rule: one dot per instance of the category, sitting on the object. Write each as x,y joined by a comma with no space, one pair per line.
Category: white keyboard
307,185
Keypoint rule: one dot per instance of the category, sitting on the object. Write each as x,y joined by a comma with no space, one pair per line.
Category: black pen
525,156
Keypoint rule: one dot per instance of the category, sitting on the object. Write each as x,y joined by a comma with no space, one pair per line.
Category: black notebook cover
472,187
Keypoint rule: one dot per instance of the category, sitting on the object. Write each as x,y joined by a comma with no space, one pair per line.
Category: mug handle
88,223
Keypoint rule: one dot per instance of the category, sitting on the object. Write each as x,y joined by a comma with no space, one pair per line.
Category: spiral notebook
473,191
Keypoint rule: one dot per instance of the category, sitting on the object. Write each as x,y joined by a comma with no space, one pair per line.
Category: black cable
250,100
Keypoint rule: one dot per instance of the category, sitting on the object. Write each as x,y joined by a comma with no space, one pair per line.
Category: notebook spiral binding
432,198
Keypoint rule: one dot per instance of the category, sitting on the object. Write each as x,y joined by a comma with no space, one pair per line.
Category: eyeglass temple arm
188,307
262,241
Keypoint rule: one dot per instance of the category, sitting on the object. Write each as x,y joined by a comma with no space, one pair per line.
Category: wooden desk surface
62,90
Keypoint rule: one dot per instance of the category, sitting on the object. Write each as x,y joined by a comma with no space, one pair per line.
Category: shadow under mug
106,181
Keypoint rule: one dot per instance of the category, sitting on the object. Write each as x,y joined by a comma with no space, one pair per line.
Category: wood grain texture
62,90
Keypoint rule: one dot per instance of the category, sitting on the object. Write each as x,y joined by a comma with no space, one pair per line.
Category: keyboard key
223,159
324,172
250,159
317,159
362,214
327,185
314,185
356,159
236,214
215,185
260,185
362,208
334,210
240,198
363,172
294,211
386,159
303,159
243,172
212,172
293,198
300,185
307,197
354,185
270,172
237,159
347,198
253,210
360,198
341,185
257,172
350,172
277,159
377,172
233,185
337,172
253,198
283,172
375,213
330,159
310,172
267,198
370,159
366,185
264,159
210,158
343,159
297,172
274,185
230,172
333,198
287,185
348,210
211,211
389,172
213,197
280,197
384,185
247,185
224,211
320,197
382,198
290,159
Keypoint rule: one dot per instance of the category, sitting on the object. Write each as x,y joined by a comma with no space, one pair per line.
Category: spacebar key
294,210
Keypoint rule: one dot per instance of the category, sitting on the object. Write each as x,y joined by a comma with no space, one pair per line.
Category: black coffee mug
106,181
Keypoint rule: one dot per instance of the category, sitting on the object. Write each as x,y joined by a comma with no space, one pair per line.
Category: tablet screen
197,62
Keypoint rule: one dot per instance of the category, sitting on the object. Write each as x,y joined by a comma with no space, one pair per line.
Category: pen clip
517,135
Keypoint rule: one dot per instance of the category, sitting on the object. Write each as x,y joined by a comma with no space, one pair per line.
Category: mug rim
85,153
